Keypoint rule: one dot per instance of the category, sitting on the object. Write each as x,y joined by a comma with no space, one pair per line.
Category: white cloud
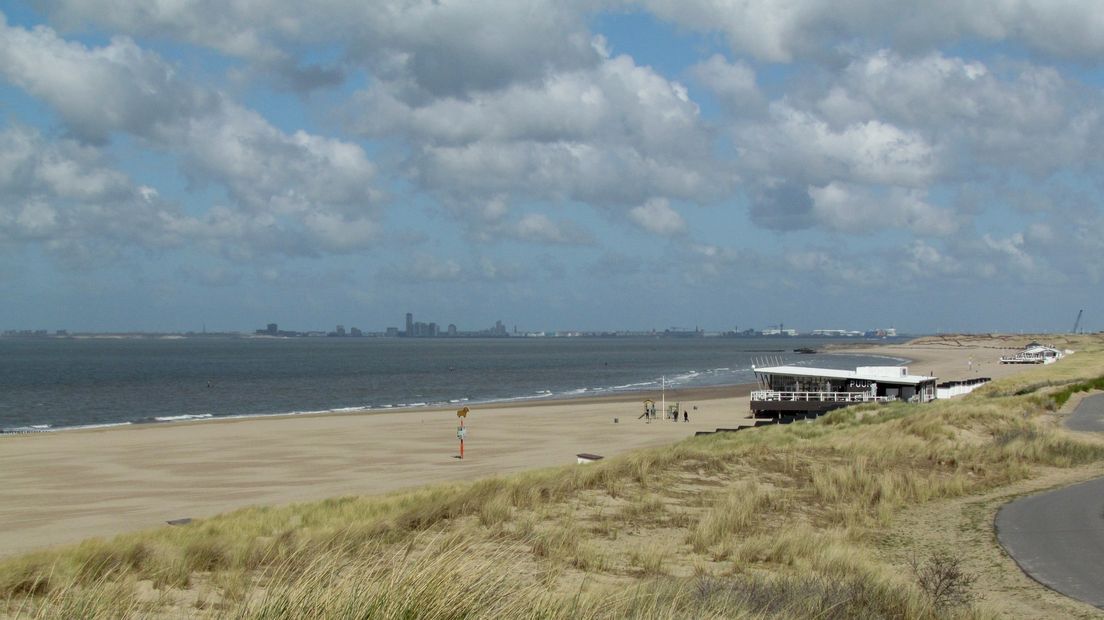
785,31
533,228
657,216
67,169
541,228
856,209
64,194
796,143
835,269
321,184
876,138
733,83
1012,249
924,261
1029,118
442,47
614,134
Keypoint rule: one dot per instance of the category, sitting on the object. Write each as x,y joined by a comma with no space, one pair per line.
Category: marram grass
775,522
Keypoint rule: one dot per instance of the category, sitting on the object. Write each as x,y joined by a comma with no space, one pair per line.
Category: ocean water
59,383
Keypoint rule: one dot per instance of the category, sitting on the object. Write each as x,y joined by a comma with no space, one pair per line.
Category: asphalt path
1057,538
1089,415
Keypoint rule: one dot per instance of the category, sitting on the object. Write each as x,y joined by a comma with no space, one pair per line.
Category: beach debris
180,521
585,457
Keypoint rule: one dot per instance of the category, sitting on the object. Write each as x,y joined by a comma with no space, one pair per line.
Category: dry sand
63,487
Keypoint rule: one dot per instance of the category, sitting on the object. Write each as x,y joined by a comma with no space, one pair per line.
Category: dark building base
793,408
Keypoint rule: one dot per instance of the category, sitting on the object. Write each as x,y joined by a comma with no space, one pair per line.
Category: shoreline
63,487
612,396
710,392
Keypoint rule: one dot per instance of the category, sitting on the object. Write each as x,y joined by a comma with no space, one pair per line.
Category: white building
1034,354
788,390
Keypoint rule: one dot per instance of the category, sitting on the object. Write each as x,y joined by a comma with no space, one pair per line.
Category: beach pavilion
799,390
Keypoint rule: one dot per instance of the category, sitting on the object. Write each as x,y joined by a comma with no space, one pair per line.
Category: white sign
461,432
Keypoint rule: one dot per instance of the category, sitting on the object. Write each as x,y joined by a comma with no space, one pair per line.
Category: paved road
1058,537
1089,415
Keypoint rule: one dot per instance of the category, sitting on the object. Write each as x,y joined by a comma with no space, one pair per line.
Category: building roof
1039,348
873,373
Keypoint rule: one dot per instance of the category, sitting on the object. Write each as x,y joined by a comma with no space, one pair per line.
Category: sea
63,383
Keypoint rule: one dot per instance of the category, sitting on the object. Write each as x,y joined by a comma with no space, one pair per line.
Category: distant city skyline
417,329
431,329
579,165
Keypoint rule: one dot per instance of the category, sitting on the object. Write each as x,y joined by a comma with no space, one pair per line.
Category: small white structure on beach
1034,353
585,457
960,387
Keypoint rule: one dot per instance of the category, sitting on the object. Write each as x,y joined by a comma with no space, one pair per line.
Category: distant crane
1077,323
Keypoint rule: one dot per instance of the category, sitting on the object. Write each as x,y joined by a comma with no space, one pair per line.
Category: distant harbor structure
793,390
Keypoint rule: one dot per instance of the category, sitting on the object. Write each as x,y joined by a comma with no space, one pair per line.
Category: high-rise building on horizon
409,324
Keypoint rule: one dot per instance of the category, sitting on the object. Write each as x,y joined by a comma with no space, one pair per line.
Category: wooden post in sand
460,432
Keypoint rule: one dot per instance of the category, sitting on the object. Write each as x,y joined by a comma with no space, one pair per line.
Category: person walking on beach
685,416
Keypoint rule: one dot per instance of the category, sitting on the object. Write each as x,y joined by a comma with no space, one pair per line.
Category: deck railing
835,397
1023,359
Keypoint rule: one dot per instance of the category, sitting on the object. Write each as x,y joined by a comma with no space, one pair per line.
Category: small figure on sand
685,416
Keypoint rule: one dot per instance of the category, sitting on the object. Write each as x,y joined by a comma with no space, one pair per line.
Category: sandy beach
58,488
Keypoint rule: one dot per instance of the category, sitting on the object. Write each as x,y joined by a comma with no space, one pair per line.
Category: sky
174,165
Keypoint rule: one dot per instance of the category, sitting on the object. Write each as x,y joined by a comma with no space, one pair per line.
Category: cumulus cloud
786,31
133,90
924,261
1010,248
534,228
67,170
321,186
1028,117
539,227
797,143
860,210
65,196
733,83
613,134
439,47
783,205
658,217
871,141
990,258
832,267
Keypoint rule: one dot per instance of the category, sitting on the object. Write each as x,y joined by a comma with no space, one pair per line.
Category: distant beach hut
586,457
1034,353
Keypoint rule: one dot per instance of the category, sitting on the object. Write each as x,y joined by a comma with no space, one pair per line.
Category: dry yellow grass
779,521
